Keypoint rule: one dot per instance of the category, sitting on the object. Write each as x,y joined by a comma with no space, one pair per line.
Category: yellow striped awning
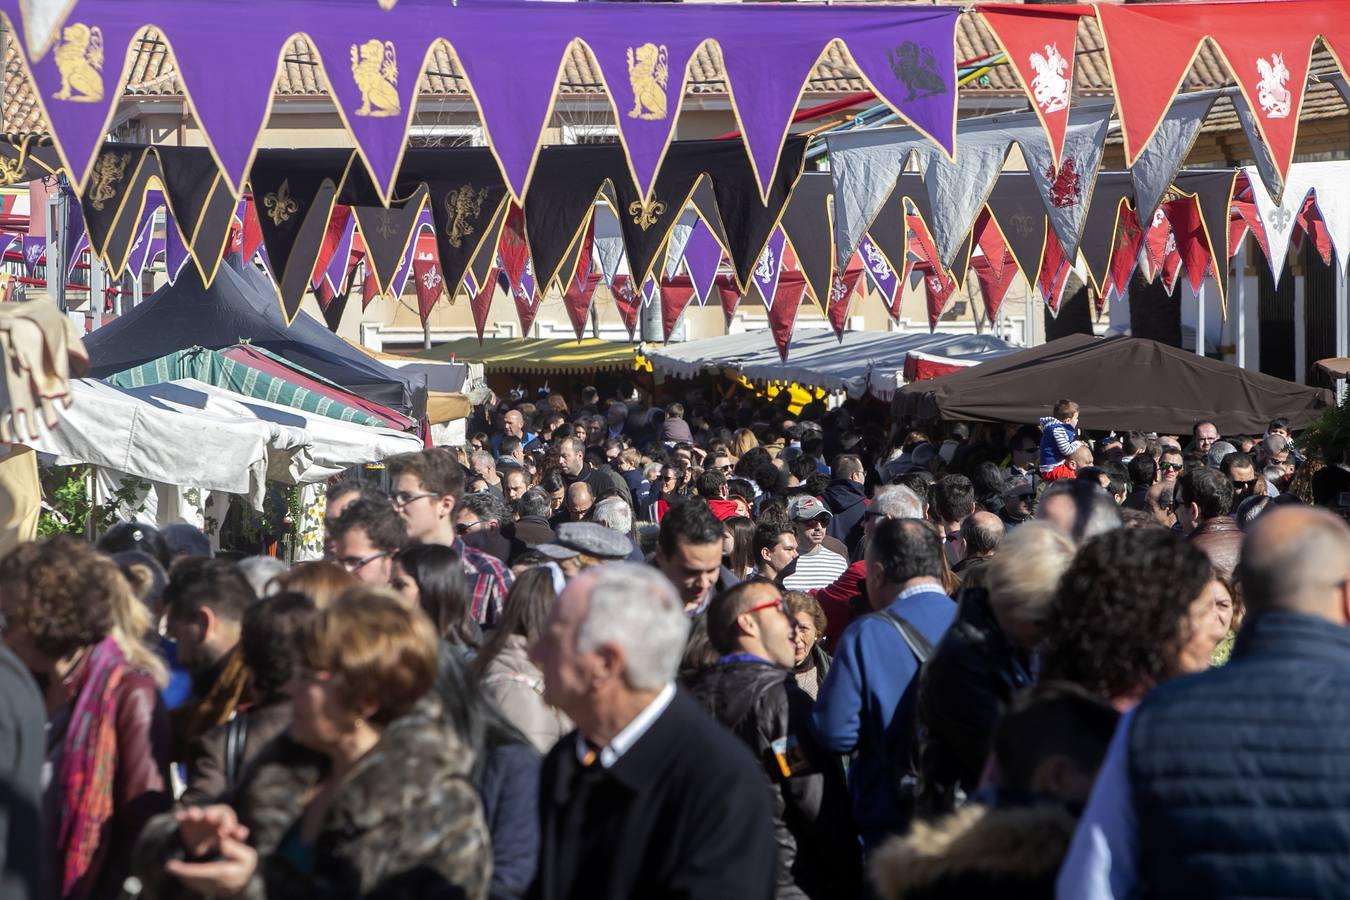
539,355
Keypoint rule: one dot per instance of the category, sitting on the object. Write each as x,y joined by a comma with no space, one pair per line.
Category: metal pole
1200,320
1029,325
1240,265
1342,328
1300,329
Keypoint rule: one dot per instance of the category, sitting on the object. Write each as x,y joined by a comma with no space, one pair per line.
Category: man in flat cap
580,545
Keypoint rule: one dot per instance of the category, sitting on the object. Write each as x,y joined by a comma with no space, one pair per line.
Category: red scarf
89,763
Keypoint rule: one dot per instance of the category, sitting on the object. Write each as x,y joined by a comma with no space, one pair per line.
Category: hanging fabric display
994,266
387,232
427,278
767,271
841,296
1102,225
676,293
783,310
480,302
1157,166
806,224
628,302
581,280
702,257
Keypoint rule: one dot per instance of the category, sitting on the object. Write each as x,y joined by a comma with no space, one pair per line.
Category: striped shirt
817,569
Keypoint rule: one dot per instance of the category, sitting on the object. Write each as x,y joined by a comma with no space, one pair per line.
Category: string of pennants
373,60
1198,217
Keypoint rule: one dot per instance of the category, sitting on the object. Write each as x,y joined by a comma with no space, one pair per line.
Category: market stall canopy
333,446
240,307
1120,383
538,355
1335,366
958,353
818,359
215,368
117,429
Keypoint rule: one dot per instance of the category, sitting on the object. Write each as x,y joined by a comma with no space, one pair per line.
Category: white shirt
632,732
817,569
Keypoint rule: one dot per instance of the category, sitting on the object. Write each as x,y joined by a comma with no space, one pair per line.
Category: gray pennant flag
1016,207
865,166
1158,165
678,240
1099,229
1067,191
957,190
1265,165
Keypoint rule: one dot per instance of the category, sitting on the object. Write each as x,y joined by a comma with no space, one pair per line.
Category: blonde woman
742,441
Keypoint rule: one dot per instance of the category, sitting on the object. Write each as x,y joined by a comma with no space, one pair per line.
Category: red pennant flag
323,292
427,273
628,302
1039,42
1192,246
1267,45
252,237
1245,208
370,288
1311,223
1155,243
842,288
787,299
730,294
1053,276
1171,266
675,296
481,302
581,283
512,248
1125,256
995,268
337,226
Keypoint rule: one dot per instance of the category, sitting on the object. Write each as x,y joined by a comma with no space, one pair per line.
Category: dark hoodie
847,501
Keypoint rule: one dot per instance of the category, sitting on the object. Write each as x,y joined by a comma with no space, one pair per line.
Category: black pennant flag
806,222
201,203
1015,204
749,222
1099,228
467,197
294,191
386,231
111,202
646,222
566,183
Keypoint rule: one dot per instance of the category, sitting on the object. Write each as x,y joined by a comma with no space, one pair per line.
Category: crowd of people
707,649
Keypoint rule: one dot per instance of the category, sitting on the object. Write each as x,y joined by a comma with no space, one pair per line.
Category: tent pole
1239,280
1029,326
1200,320
1300,328
1342,327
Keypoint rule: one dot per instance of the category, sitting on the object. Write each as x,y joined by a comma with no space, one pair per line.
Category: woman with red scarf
107,754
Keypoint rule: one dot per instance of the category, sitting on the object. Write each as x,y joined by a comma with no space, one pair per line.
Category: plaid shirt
489,581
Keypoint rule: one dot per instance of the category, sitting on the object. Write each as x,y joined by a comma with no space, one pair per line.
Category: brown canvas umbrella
1121,384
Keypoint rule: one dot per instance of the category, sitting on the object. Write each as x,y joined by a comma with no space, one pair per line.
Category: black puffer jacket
760,703
965,688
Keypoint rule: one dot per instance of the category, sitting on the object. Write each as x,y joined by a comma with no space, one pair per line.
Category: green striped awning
214,368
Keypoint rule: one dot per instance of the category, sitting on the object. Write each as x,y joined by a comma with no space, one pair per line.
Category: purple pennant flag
527,286
34,249
879,270
649,290
80,78
144,229
75,238
5,241
424,221
175,251
142,251
373,62
769,267
702,256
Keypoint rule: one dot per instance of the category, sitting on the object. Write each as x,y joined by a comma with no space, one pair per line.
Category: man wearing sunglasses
1170,464
750,691
1241,470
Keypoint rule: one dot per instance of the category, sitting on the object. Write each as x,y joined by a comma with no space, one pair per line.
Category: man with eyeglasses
1241,470
365,538
427,487
1203,436
751,692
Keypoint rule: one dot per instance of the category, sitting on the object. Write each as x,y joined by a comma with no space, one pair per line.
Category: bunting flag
202,208
73,257
252,232
865,166
1271,176
1039,43
649,290
428,281
330,266
939,288
526,298
6,240
512,249
767,271
678,241
1311,224
298,189
466,195
675,296
1066,189
1213,192
730,295
405,269
1053,277
1102,224
1170,271
1157,166
609,249
175,250
34,253
1021,218
567,183
994,266
1189,241
1267,46
370,289
480,301
841,298
1129,243
806,225
883,277
783,311
485,259
75,240
147,247
627,301
702,257
387,232
581,280
112,205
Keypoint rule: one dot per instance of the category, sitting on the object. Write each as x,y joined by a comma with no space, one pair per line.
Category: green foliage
1329,437
70,510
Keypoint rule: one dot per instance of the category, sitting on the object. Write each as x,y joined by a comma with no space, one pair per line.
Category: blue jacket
1238,773
857,705
509,786
1058,440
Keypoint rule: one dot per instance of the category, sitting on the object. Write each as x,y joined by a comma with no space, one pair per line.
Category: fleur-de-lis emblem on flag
280,205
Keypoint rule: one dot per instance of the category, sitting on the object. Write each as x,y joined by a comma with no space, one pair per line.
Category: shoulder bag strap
236,736
913,637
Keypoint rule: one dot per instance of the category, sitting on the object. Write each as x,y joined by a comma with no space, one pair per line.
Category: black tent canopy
1121,384
241,306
